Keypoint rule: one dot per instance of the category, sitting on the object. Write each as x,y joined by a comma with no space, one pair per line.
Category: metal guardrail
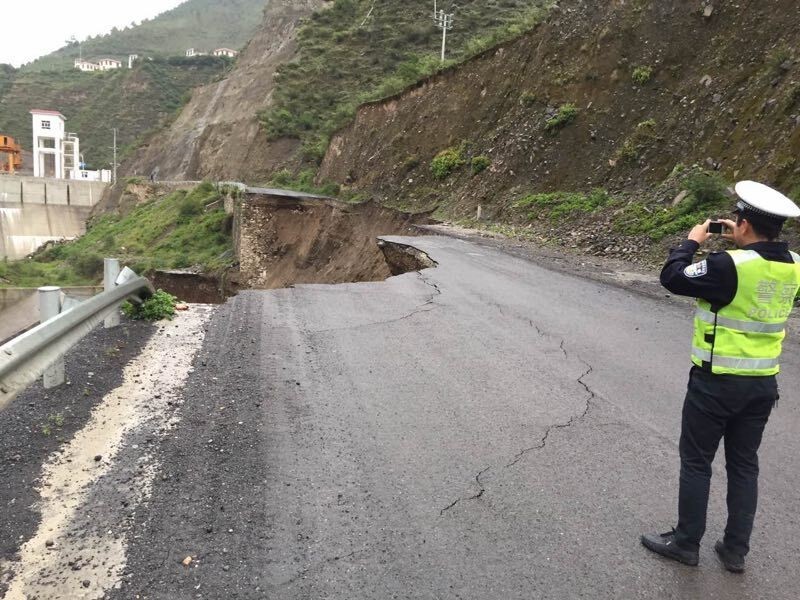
30,355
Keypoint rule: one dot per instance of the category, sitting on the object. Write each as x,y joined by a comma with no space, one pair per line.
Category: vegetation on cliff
662,105
362,50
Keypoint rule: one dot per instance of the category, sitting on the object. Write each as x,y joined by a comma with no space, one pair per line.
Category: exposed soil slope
285,242
217,136
723,90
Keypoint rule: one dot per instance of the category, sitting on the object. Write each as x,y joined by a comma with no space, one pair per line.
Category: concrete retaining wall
38,190
35,210
25,227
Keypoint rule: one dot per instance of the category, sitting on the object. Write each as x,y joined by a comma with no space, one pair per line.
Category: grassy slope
134,101
170,232
200,24
360,50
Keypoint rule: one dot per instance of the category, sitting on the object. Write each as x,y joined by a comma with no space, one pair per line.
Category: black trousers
736,408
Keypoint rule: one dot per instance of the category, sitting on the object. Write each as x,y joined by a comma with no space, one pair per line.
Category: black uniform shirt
713,279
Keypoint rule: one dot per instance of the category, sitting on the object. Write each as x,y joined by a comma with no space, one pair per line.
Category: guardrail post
49,307
110,274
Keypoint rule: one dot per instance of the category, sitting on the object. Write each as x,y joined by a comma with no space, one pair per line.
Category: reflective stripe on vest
736,363
745,337
753,326
741,257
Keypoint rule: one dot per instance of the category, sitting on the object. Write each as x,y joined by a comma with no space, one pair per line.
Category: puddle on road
153,381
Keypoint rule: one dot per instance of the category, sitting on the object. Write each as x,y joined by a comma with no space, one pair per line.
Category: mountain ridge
200,24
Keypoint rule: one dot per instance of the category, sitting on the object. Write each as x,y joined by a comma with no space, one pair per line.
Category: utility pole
114,175
445,22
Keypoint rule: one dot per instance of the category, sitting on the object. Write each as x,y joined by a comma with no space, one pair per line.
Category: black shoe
732,561
664,544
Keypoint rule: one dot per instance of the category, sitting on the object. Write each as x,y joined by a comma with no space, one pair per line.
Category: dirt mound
653,84
217,135
282,242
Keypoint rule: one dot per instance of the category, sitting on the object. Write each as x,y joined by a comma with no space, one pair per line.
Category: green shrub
642,75
708,196
284,177
557,205
706,188
447,161
189,207
643,135
564,116
527,99
480,163
160,305
88,264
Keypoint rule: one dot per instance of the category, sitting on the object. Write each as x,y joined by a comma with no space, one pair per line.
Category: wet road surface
484,429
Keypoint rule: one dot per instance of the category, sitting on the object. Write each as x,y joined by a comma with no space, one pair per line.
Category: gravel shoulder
39,423
85,491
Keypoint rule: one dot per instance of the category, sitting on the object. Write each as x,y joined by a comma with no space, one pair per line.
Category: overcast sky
31,28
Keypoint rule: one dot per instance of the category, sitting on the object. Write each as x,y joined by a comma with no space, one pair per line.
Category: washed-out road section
485,429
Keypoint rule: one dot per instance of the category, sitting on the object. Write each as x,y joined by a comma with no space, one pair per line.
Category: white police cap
762,199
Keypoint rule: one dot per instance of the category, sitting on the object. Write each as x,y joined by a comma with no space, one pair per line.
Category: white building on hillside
225,52
132,58
48,143
108,64
56,153
192,52
85,65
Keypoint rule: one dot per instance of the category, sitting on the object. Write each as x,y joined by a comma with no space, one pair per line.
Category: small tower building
48,143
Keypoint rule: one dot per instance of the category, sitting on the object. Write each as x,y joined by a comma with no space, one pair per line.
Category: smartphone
716,227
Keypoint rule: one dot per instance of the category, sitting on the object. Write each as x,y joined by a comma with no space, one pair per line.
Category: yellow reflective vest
746,336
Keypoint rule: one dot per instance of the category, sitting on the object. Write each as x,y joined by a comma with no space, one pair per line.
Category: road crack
542,443
427,306
572,420
480,493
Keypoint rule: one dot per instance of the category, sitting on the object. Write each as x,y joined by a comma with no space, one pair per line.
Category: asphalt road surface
485,429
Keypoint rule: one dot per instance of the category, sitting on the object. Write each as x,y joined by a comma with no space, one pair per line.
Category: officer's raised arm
713,279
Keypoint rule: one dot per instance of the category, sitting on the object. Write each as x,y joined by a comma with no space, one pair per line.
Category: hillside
300,78
200,24
625,97
134,101
368,49
217,135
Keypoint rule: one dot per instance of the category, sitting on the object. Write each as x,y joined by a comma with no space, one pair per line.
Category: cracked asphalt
485,429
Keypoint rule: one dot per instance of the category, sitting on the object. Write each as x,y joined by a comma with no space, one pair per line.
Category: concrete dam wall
34,211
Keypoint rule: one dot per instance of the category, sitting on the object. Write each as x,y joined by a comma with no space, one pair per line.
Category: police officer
744,299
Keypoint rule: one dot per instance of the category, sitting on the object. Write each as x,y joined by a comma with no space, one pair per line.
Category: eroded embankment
282,242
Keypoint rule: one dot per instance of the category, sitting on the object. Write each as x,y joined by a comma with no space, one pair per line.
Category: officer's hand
729,227
699,233
727,233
